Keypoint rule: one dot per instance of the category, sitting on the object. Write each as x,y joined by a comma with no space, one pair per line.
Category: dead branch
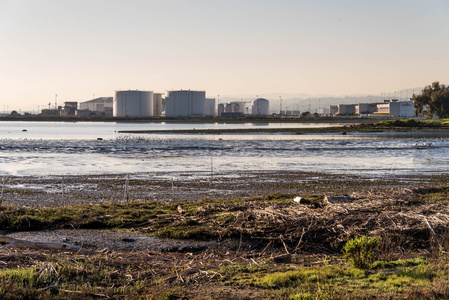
428,225
283,258
304,232
371,218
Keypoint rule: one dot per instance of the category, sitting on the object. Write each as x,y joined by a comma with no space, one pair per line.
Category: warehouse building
96,106
393,108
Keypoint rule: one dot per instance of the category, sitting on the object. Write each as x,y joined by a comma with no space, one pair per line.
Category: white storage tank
209,106
239,107
157,104
261,107
133,104
185,104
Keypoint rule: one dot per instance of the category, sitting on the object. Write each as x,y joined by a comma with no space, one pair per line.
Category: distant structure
133,103
346,109
232,109
51,111
186,103
260,107
221,109
394,108
96,106
70,108
333,110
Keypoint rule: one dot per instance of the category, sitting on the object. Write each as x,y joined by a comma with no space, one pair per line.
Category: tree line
433,101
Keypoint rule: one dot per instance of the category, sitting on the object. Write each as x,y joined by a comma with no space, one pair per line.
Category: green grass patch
343,282
432,194
414,123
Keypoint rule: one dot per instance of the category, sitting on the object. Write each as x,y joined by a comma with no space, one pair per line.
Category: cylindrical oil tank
209,106
157,104
238,107
185,103
261,107
221,109
133,104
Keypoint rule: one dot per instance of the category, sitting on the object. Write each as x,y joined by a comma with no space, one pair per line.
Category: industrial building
133,103
366,108
346,109
70,108
260,107
394,108
96,106
186,103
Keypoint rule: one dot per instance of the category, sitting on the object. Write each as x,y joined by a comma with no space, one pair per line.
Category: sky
80,49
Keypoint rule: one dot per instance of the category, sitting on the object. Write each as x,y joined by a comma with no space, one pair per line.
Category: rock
297,199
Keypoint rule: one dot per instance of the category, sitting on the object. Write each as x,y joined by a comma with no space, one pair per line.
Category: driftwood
181,210
12,242
333,199
283,258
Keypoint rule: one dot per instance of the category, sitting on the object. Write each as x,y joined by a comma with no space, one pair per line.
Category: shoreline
206,120
54,191
323,130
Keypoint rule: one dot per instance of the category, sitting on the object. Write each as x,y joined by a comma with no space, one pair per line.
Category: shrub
361,251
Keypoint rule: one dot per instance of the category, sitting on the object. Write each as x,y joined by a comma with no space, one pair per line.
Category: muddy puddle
127,241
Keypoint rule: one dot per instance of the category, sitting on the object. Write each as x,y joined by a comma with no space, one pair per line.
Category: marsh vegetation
269,245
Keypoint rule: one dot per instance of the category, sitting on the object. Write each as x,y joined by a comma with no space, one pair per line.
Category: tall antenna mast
280,105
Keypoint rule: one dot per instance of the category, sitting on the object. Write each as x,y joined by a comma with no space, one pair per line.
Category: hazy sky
78,48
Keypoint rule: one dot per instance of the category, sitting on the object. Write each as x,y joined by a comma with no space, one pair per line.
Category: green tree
440,103
433,101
